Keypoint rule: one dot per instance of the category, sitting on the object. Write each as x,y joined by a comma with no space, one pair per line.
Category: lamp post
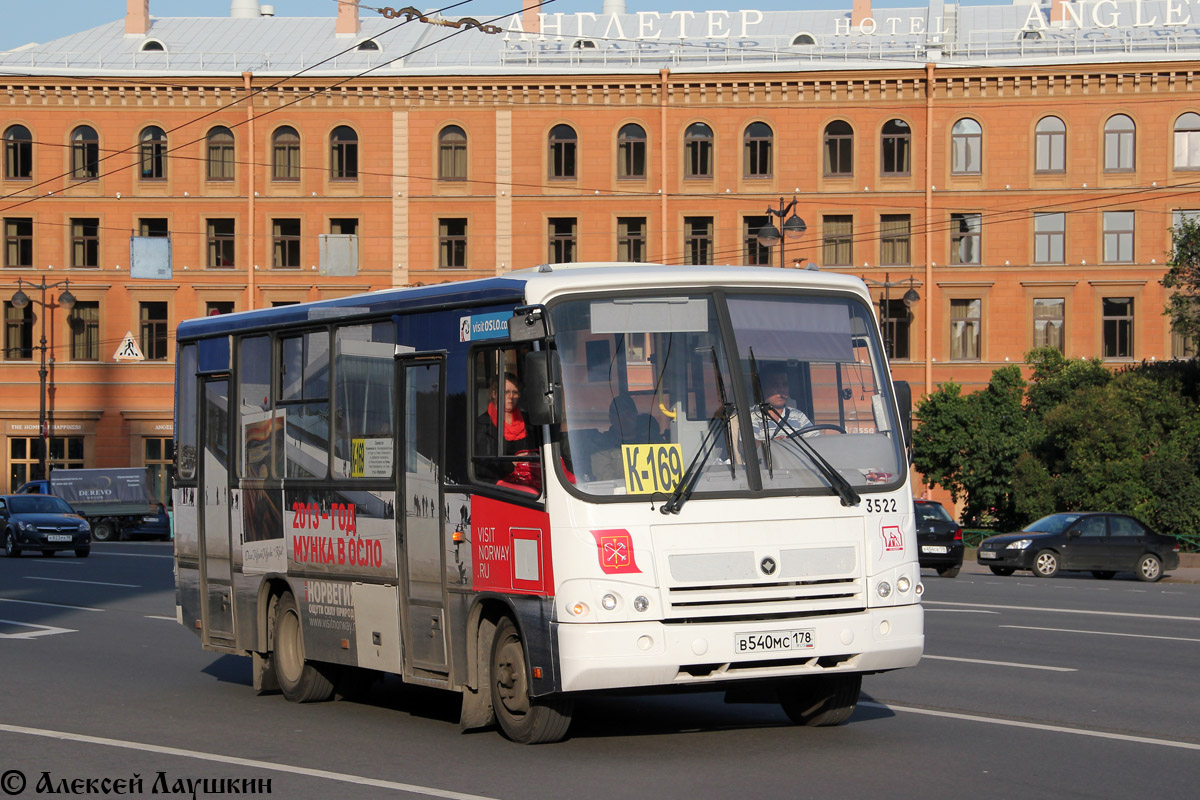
67,301
794,228
910,298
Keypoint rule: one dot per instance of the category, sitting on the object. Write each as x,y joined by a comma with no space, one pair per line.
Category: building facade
1005,177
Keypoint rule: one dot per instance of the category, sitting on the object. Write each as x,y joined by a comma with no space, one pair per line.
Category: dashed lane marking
1000,663
1102,633
1062,610
90,583
51,605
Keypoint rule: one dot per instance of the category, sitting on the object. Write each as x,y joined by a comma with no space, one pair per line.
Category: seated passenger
626,426
518,439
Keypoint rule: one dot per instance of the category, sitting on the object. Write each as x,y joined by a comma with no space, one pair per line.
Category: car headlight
1019,544
25,526
84,527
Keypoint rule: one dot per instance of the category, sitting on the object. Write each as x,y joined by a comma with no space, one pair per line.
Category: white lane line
1037,726
90,583
51,605
42,630
129,555
156,616
1102,633
962,611
1000,663
200,755
1063,610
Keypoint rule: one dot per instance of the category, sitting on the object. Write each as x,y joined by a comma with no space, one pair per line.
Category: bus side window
501,432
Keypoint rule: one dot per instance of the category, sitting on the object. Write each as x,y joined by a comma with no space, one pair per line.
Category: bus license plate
774,641
933,548
57,537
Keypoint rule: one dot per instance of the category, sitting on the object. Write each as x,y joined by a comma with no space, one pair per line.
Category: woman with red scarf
518,437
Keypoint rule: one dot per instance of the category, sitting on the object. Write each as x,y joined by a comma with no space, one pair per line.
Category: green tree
1183,276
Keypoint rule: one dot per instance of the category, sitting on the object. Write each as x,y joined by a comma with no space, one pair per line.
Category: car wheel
1149,568
103,531
948,572
821,700
1002,571
83,552
10,545
1045,564
1103,574
301,680
522,718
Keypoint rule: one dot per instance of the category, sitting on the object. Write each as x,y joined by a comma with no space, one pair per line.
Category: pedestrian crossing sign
128,350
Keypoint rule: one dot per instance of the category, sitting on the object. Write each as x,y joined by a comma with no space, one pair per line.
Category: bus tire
524,719
821,700
300,680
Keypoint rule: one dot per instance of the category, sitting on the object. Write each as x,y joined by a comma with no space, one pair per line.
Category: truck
113,501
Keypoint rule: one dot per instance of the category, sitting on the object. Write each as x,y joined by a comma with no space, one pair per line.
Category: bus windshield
782,393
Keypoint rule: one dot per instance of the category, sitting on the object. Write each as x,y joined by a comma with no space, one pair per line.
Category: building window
837,240
839,149
452,154
343,154
18,242
1187,141
631,238
154,227
894,239
154,324
152,154
285,154
1183,347
966,148
1118,327
562,240
344,226
897,147
18,332
85,153
452,243
1118,237
563,146
1049,237
219,162
631,152
18,153
216,307
158,456
964,238
85,242
1050,145
698,240
756,161
897,320
25,457
1119,133
220,234
1049,314
85,331
754,253
697,151
965,323
285,238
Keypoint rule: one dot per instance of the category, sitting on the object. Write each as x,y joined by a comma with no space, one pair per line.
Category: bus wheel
524,719
821,700
300,680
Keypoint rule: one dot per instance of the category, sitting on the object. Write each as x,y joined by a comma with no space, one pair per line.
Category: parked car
151,526
939,538
44,523
1103,544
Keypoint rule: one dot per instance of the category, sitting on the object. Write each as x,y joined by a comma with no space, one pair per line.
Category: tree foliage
1183,276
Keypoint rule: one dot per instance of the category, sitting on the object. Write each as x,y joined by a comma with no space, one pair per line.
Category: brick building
1017,167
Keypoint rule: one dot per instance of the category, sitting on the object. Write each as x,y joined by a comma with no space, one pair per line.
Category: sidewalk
1187,572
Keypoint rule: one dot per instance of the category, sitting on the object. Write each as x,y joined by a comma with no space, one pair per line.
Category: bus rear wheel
524,719
300,680
821,700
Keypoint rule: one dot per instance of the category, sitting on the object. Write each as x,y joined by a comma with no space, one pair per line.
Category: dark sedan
1103,544
44,523
939,538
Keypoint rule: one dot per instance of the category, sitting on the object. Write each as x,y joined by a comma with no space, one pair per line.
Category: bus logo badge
892,538
767,565
615,550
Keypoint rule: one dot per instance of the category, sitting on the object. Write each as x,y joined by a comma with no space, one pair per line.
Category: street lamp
66,300
794,228
910,298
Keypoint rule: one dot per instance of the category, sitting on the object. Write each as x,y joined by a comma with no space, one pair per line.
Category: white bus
571,479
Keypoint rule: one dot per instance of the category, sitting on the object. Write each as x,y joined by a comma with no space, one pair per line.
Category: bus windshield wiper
727,411
687,483
837,482
760,403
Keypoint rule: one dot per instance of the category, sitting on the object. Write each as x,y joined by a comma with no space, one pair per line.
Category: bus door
216,579
419,529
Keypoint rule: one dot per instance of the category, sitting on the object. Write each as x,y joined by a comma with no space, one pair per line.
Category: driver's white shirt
792,419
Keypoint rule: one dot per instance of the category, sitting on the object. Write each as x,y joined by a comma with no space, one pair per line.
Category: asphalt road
1030,688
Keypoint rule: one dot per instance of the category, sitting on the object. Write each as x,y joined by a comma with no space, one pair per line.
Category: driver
778,416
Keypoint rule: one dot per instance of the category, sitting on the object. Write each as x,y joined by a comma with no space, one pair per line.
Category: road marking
129,555
1103,633
1037,726
962,611
200,755
156,616
52,605
1063,610
42,630
90,583
1000,663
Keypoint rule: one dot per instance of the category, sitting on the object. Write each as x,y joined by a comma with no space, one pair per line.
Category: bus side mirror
904,402
543,391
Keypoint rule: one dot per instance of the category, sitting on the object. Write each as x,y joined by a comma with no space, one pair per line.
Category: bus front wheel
300,680
821,700
524,719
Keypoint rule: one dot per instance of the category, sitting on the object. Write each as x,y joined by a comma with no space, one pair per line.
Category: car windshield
1055,523
38,504
933,512
657,387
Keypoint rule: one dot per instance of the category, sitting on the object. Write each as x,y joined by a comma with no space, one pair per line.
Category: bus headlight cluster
579,609
903,584
883,589
608,602
641,603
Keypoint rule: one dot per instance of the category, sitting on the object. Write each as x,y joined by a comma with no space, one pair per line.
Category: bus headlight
608,602
883,589
903,584
641,603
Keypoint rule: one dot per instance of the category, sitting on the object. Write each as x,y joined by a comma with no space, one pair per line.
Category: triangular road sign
129,350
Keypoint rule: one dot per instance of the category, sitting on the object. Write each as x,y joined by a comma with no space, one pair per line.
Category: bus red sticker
893,539
615,550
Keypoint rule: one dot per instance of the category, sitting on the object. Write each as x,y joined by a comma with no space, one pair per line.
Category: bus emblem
767,565
615,549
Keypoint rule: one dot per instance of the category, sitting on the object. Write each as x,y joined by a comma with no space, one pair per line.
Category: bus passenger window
505,444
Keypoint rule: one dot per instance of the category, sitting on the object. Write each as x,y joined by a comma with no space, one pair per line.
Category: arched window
839,149
756,150
220,154
1187,141
803,39
583,44
285,154
966,147
368,46
1050,145
1119,136
152,150
153,46
85,153
631,151
18,153
452,154
343,154
563,148
897,147
698,151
